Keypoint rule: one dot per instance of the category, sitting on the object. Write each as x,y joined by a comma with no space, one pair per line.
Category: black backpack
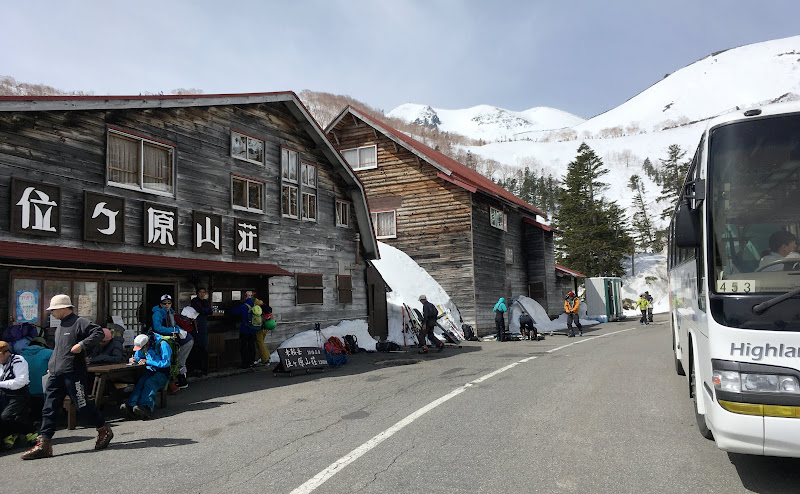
351,344
469,333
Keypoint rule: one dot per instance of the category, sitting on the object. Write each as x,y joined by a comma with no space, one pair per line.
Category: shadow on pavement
767,474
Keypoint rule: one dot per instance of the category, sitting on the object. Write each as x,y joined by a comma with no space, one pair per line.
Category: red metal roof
89,256
569,271
458,171
537,224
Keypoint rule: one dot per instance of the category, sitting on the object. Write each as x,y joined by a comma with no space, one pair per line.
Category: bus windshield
754,203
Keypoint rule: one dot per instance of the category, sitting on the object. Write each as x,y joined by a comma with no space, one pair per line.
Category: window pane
157,168
311,180
85,299
293,201
53,288
123,159
351,156
255,150
342,211
254,195
309,206
367,157
285,162
292,165
238,146
239,193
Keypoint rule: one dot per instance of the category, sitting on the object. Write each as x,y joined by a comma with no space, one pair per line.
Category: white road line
320,478
584,339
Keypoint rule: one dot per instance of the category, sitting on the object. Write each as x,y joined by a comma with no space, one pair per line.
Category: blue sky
581,56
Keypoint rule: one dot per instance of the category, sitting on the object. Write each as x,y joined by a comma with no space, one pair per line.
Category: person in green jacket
642,304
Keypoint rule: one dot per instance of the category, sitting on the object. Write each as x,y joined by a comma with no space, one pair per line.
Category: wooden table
103,374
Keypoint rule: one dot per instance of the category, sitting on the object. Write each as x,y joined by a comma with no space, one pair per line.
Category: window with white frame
498,219
244,147
342,213
385,224
362,158
247,194
289,182
308,183
138,163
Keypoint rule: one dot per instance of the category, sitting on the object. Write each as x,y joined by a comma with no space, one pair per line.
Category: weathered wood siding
68,149
433,218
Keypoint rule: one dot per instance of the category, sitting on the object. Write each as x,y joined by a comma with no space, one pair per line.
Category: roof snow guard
450,169
570,272
288,98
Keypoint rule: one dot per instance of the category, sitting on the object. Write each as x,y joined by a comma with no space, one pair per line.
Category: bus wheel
678,364
700,418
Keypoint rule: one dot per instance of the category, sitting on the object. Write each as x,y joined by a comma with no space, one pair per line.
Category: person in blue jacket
164,324
150,350
499,320
247,333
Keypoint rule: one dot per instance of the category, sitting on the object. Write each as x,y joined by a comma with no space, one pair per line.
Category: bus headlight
738,382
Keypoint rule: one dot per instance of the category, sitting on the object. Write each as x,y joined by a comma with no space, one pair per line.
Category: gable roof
288,98
449,169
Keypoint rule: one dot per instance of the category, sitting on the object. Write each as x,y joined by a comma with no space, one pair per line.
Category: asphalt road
604,413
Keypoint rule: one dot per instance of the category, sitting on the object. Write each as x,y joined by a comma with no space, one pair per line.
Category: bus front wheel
699,417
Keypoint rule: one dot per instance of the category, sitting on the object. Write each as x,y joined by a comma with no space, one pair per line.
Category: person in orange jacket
571,304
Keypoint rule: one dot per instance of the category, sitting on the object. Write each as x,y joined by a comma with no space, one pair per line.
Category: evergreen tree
643,234
650,170
593,235
671,177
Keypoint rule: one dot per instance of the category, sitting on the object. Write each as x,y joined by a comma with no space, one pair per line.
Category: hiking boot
440,347
182,382
257,362
580,333
127,411
143,413
9,441
424,349
171,389
104,436
43,449
31,438
571,334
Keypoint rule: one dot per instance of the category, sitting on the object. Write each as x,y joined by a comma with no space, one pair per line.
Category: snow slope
488,123
747,76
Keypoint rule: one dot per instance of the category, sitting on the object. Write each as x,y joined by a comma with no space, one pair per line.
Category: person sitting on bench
154,352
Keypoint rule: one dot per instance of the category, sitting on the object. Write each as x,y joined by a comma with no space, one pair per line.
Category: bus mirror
696,189
687,227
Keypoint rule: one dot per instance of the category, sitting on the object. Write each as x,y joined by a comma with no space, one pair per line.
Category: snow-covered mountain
488,123
671,111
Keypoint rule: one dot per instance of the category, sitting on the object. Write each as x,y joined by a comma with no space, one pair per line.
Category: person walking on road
499,319
642,304
649,306
429,316
75,337
571,304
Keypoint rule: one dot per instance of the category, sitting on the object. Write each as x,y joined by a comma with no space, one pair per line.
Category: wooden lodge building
478,241
116,200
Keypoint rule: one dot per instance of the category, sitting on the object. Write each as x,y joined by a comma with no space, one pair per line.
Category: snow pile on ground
312,338
650,276
540,317
408,281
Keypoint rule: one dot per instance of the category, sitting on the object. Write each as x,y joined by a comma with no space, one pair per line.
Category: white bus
734,281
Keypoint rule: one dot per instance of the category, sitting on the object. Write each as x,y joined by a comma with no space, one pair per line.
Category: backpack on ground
469,333
351,343
337,342
334,354
255,316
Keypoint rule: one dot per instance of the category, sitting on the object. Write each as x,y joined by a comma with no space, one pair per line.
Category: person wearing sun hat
75,337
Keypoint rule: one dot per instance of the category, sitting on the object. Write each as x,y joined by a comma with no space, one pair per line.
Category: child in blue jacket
154,352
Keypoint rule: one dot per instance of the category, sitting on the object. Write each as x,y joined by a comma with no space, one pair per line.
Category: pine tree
671,177
593,238
643,233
